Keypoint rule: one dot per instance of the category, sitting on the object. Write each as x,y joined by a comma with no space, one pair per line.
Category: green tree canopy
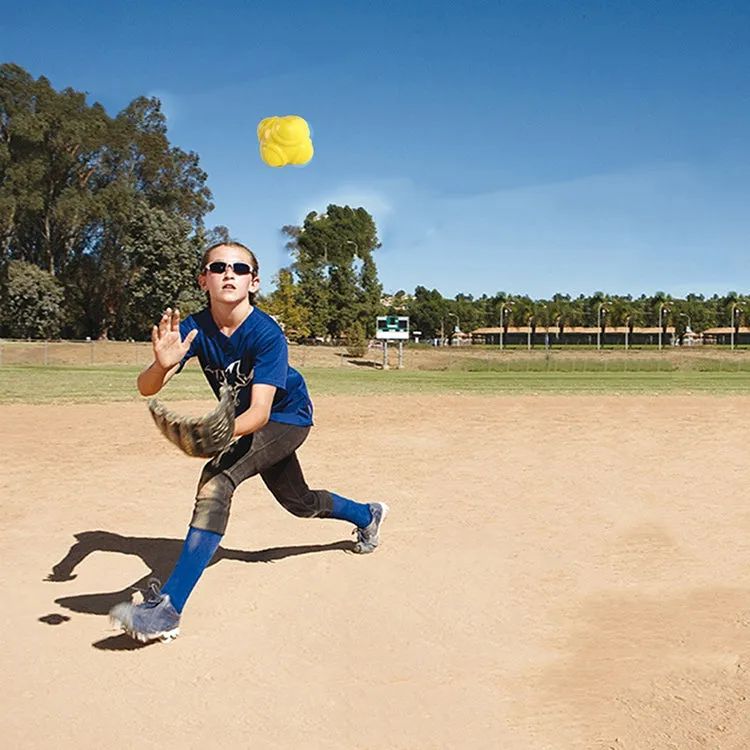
335,269
284,305
32,301
73,180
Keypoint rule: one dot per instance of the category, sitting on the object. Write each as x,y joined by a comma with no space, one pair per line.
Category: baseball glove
202,437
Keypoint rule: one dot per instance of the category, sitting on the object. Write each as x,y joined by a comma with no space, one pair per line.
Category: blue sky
521,146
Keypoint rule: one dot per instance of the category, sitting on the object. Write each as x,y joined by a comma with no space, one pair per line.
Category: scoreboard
392,327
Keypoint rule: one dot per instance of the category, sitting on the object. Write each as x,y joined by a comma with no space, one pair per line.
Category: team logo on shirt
235,375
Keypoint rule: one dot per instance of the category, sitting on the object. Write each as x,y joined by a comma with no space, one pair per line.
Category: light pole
736,309
627,330
528,335
603,309
504,313
662,318
458,322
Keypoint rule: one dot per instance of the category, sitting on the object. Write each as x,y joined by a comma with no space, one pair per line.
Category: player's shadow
160,556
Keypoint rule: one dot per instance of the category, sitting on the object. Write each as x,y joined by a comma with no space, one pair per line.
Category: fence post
46,352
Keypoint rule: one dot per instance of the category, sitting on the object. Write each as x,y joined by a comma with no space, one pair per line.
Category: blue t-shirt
255,353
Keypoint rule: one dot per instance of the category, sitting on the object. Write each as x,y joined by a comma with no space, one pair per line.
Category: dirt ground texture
557,572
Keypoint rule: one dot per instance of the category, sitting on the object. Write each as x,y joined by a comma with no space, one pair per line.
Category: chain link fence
415,357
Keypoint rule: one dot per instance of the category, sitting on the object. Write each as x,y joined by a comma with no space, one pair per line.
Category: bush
356,342
33,302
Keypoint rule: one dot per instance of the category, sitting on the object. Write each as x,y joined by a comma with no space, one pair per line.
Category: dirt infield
557,573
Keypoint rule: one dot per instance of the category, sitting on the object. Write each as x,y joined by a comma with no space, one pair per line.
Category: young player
238,344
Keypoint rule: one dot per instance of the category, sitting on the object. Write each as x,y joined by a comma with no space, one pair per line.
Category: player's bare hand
169,348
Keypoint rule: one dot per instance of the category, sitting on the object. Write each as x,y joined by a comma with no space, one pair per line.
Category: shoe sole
165,636
382,521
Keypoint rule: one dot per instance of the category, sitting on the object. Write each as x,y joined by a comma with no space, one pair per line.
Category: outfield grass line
92,384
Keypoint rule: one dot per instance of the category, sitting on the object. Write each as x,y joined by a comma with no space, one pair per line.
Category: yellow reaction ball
285,140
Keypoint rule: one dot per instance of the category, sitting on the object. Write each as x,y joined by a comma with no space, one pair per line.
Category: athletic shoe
154,618
368,538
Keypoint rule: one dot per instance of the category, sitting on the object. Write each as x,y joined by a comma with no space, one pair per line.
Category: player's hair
237,246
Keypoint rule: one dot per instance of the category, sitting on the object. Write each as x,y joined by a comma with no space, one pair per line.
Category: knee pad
212,504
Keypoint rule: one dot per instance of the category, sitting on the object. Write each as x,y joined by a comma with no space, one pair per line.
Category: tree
53,145
521,310
356,341
467,316
619,309
427,313
162,266
71,178
207,238
370,293
32,302
283,304
336,272
560,311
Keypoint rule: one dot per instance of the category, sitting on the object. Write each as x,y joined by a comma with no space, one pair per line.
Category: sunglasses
219,266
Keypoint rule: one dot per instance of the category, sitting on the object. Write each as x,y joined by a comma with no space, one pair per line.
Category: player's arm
169,349
259,412
154,378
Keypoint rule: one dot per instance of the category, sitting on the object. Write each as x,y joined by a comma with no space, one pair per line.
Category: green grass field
37,385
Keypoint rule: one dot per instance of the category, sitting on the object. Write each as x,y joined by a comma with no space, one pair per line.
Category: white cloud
380,199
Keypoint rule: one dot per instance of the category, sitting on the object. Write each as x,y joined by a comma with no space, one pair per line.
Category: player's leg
216,487
159,615
266,450
287,483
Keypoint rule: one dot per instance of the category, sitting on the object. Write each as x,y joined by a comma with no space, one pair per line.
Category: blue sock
347,510
197,551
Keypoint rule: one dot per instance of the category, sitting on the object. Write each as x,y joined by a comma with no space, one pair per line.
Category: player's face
227,284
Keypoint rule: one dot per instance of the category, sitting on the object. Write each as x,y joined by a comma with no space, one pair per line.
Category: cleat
368,538
154,619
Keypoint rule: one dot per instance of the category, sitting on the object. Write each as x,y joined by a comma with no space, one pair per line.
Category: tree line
102,224
436,316
101,218
322,295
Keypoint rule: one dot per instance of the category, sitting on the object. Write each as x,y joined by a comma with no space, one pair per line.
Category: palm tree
520,310
560,310
577,311
619,309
